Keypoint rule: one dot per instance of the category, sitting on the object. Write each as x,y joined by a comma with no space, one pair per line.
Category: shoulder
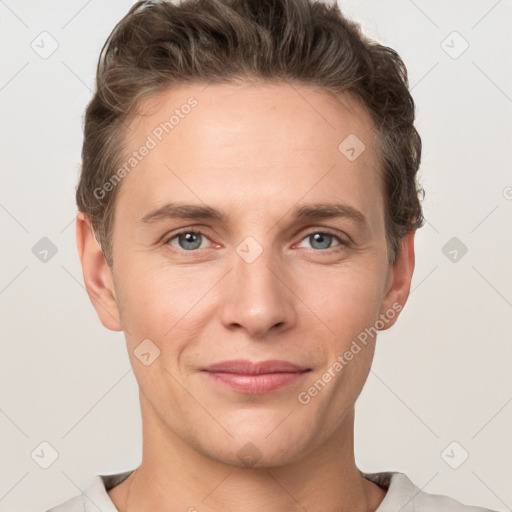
402,494
94,497
75,504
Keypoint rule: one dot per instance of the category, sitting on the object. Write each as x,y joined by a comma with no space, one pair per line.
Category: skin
253,152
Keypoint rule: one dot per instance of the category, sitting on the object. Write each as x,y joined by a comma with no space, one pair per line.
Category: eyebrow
316,211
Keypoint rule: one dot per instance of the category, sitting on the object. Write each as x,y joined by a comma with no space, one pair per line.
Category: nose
258,296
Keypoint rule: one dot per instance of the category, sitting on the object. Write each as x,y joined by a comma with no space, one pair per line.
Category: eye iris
191,240
323,238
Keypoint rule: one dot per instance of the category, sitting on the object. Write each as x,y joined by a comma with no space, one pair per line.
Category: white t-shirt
402,495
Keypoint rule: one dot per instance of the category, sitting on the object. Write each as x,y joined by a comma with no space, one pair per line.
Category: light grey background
441,374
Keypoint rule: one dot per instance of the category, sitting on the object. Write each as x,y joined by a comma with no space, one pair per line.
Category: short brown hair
158,44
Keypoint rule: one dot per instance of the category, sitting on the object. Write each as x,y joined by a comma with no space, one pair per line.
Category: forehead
258,142
252,113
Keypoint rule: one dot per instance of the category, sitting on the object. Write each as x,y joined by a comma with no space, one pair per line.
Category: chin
258,447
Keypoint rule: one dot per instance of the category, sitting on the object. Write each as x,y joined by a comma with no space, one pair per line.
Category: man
248,204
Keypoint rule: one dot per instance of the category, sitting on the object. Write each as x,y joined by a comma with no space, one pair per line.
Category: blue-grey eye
320,240
188,240
323,240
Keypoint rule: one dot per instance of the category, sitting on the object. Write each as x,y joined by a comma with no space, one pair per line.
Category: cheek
156,300
346,298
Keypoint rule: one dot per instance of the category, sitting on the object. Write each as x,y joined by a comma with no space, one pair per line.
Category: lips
245,367
245,376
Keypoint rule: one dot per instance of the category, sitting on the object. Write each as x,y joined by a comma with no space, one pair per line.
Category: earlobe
399,281
97,275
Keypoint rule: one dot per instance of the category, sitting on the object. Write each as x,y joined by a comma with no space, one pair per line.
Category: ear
399,281
98,278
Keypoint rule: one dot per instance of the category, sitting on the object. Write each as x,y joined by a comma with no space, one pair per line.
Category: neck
174,476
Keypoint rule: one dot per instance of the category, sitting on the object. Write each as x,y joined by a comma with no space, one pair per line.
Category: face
247,233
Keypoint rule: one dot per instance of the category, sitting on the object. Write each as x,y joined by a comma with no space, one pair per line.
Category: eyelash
342,243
